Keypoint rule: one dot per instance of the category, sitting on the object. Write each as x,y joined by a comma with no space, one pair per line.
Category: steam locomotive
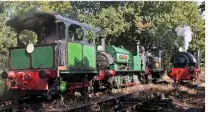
65,59
186,66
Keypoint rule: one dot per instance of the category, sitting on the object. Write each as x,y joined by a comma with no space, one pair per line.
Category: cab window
75,33
53,33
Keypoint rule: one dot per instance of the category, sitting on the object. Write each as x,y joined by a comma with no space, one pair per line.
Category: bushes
2,86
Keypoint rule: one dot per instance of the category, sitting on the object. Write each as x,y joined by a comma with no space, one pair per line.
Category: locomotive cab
155,59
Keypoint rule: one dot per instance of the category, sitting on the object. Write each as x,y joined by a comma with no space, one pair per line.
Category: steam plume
186,33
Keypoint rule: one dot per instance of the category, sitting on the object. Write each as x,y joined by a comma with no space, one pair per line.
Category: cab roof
34,21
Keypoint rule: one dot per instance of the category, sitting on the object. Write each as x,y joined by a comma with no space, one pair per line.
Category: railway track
78,105
22,105
136,101
129,102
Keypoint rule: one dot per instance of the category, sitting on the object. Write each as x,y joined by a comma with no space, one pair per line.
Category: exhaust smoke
186,33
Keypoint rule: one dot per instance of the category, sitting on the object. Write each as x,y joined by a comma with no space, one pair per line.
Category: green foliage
60,7
27,36
181,13
153,23
202,7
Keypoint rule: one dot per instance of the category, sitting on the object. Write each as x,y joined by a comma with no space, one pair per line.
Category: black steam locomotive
186,66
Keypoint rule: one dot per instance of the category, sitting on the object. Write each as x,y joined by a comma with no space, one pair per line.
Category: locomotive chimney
102,37
161,59
198,59
138,44
103,42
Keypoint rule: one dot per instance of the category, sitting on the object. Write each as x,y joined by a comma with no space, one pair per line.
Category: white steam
186,33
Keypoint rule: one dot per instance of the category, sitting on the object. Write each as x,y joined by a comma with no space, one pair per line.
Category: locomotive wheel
34,97
154,80
84,91
117,82
91,86
123,81
127,79
110,83
96,85
69,99
136,79
149,78
48,97
131,79
142,78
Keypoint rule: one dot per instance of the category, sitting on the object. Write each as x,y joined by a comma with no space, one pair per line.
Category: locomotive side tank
123,59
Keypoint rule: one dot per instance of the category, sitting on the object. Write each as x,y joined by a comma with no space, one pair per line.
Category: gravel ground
57,106
190,97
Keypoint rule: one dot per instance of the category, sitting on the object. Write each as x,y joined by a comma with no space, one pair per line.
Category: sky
198,2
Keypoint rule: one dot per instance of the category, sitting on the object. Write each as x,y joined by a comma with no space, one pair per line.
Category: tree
153,23
202,7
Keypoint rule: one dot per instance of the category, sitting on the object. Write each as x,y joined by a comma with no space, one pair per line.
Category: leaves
151,22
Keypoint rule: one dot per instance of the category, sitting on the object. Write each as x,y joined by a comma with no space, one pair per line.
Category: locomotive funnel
102,37
180,49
